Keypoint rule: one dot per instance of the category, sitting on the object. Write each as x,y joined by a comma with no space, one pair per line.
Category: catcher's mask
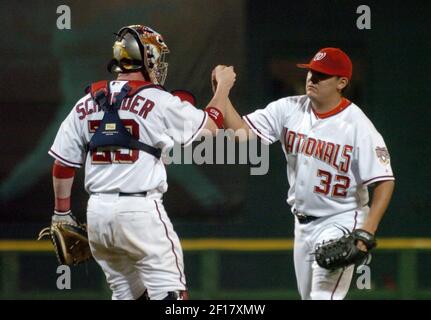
140,48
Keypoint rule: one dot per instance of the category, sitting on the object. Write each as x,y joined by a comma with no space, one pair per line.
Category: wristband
216,115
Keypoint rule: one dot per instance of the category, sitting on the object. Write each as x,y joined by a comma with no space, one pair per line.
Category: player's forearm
216,106
62,179
220,98
381,197
234,121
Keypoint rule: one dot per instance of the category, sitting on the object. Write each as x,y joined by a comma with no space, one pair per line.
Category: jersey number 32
339,189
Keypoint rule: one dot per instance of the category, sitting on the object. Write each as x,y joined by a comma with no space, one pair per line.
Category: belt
304,219
135,194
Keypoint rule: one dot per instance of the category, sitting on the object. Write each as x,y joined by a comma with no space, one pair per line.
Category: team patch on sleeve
383,155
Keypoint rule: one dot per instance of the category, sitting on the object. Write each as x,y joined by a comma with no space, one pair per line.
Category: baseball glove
70,241
343,252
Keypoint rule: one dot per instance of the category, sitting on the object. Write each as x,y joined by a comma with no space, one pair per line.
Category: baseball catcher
344,251
118,131
69,238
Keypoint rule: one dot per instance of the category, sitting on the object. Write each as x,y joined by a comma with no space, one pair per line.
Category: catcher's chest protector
111,132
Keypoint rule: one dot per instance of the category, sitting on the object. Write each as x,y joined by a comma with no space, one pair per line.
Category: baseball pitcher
333,153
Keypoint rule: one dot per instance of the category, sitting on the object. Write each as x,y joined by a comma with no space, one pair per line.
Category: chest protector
111,133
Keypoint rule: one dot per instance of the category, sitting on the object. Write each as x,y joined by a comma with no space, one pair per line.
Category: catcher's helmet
140,48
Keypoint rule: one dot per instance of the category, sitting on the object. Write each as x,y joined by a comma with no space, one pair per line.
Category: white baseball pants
134,242
314,282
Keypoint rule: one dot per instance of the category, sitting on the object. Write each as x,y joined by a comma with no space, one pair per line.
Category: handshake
223,76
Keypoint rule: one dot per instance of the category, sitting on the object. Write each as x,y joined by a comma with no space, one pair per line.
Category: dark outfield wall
45,70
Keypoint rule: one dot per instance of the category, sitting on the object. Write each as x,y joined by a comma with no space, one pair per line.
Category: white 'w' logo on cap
319,56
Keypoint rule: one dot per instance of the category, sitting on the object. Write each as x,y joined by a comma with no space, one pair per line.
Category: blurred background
236,229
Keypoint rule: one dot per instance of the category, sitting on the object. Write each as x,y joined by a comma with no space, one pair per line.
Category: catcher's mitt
342,252
70,242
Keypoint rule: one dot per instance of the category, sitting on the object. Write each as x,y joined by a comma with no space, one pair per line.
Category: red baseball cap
331,61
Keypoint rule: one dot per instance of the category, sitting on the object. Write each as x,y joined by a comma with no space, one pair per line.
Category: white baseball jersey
154,116
331,158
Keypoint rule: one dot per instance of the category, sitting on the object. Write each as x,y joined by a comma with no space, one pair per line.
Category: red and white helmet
140,48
